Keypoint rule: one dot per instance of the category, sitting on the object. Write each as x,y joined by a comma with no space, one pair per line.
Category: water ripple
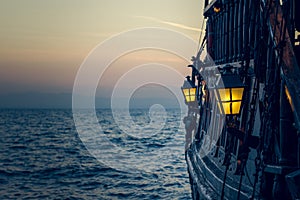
42,157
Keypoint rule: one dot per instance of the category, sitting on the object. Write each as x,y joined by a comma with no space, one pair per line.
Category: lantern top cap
188,84
228,79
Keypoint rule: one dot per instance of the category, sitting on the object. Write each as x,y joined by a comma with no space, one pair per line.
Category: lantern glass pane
224,94
236,107
237,94
186,92
193,98
193,91
226,107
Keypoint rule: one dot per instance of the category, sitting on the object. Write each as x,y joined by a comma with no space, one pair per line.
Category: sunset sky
43,43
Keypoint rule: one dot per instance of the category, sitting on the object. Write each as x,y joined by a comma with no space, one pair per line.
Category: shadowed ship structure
243,121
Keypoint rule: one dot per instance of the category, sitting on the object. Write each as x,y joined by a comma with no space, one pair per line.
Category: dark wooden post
240,29
226,38
222,33
246,27
235,30
231,31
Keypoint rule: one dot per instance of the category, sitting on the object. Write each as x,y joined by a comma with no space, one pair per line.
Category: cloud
171,24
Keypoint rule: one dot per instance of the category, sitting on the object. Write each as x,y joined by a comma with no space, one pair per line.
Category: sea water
43,157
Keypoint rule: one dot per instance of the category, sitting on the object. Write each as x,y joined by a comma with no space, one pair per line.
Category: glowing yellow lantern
189,92
229,92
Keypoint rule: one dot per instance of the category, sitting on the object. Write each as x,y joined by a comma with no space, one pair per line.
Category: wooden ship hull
253,153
